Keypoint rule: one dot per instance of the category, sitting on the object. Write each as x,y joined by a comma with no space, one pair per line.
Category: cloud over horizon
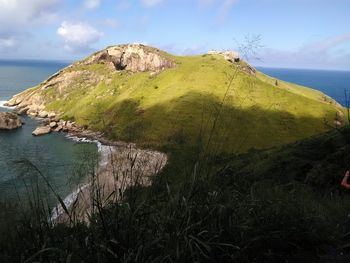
8,44
17,17
78,37
316,54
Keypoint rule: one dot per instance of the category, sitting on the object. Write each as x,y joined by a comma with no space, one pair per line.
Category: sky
312,34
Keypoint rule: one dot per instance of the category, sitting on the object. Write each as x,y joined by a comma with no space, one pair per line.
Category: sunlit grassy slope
177,105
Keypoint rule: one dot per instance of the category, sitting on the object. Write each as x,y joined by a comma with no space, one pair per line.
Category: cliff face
135,58
144,95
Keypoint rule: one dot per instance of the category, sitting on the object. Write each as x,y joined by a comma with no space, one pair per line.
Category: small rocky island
9,121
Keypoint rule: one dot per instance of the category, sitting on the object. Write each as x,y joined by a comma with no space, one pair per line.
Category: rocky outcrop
41,131
51,125
230,55
134,58
9,121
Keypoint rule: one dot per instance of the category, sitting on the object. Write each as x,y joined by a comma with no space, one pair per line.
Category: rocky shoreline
120,165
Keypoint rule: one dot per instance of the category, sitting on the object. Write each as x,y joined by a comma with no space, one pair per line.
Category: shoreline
2,104
69,200
120,165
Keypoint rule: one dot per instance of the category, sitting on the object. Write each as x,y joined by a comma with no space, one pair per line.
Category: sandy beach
120,166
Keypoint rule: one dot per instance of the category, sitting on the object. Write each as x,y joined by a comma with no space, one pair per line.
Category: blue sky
294,33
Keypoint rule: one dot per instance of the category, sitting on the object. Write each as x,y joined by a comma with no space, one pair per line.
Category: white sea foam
85,140
71,198
2,102
68,202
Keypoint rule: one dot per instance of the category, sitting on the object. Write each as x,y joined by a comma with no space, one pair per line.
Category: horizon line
67,61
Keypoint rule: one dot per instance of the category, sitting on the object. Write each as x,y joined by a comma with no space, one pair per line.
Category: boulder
230,55
58,128
56,119
41,131
32,113
43,114
69,125
9,121
53,124
51,115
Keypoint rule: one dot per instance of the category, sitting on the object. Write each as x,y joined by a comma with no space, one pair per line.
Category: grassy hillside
178,105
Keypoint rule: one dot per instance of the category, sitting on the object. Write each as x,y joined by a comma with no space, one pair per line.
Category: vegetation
279,205
153,109
225,196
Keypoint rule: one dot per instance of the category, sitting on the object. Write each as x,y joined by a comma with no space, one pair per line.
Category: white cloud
92,4
20,12
17,18
322,54
8,44
151,2
326,44
78,37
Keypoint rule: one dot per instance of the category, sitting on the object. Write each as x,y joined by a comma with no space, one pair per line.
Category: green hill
182,100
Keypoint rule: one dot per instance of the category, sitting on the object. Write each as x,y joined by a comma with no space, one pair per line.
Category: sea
331,82
41,165
28,162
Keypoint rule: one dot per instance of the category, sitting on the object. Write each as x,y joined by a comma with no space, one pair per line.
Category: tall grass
223,218
218,212
213,213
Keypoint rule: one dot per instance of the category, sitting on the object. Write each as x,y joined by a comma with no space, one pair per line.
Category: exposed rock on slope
9,121
231,55
135,58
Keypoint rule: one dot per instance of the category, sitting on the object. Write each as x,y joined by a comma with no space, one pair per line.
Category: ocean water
333,83
62,161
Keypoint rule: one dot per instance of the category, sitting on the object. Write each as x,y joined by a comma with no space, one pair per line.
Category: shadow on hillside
320,161
184,120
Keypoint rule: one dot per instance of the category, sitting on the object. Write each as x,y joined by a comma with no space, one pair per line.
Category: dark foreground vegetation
278,205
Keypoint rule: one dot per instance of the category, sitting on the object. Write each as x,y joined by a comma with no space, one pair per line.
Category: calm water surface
61,160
